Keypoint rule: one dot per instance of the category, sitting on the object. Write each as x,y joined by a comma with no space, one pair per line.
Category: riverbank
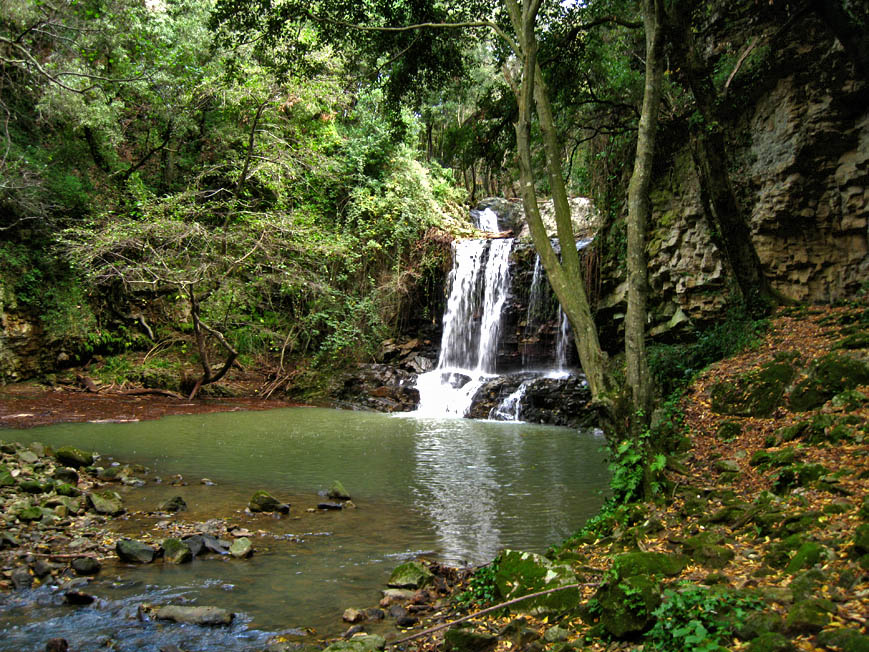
758,538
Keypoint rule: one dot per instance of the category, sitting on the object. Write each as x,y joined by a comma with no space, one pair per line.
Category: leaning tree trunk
201,331
564,275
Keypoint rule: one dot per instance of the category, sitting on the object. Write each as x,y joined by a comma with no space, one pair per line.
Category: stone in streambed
368,643
330,506
263,501
210,616
353,616
6,479
175,551
32,487
65,489
135,552
86,566
174,504
410,575
106,502
338,492
74,457
29,514
65,474
241,548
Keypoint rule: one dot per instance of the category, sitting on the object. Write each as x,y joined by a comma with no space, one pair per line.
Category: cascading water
479,285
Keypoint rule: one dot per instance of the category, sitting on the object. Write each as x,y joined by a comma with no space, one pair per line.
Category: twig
437,628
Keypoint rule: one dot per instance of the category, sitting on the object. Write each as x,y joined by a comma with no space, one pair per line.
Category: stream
457,490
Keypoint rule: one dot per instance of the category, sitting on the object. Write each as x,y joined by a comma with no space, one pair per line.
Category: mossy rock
627,606
135,552
861,539
520,573
175,551
805,585
809,616
808,555
758,623
828,376
410,575
844,639
263,501
648,563
30,514
465,638
864,509
771,642
768,459
755,394
850,399
106,502
792,432
30,486
729,430
6,479
74,457
64,489
780,552
368,643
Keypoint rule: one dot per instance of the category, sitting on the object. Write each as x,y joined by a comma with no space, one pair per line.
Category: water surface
452,489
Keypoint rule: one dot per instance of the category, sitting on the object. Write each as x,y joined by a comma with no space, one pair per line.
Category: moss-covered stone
850,399
410,575
844,639
771,642
861,539
805,585
729,430
809,616
368,643
6,479
74,457
808,555
755,394
648,563
828,376
263,501
176,551
792,432
767,459
758,623
626,606
520,573
106,502
465,638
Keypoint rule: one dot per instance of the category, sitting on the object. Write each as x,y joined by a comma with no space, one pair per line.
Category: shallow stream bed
452,489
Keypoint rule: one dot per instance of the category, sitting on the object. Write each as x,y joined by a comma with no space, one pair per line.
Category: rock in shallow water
210,616
263,501
134,551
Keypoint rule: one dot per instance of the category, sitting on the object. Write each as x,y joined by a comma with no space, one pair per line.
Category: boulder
410,575
809,616
368,643
770,642
241,548
626,606
465,638
134,552
86,566
176,551
210,616
828,376
754,394
845,639
106,502
520,573
263,501
74,457
65,474
174,504
648,563
338,492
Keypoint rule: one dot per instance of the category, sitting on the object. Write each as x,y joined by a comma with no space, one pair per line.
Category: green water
457,490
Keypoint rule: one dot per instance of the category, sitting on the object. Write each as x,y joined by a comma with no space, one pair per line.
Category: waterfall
479,284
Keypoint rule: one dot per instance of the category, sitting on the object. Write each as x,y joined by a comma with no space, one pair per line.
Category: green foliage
482,589
698,618
628,468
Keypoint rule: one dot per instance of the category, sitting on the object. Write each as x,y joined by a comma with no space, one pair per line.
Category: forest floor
760,529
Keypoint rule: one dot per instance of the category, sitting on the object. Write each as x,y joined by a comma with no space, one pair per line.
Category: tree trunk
710,158
637,371
564,276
